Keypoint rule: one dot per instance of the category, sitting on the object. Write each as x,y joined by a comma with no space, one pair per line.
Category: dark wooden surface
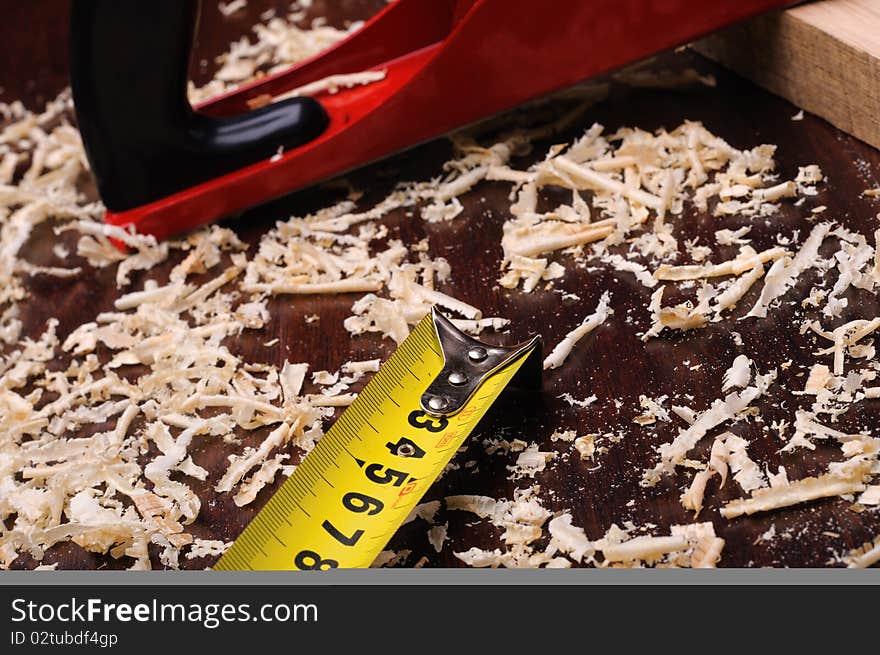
612,363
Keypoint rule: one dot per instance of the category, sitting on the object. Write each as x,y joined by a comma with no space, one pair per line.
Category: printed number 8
309,560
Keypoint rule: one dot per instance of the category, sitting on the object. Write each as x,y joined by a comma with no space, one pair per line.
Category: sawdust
98,452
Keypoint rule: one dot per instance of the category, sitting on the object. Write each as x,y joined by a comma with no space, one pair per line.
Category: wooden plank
822,56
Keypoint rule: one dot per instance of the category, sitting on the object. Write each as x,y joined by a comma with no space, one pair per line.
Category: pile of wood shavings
278,42
97,453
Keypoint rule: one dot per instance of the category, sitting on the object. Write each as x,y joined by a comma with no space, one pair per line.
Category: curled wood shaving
521,518
643,548
278,42
745,471
692,545
800,491
739,373
731,295
845,337
561,351
843,478
332,83
722,410
820,376
684,316
864,556
746,261
568,538
787,270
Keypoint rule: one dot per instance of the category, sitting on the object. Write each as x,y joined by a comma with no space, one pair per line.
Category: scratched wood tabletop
613,363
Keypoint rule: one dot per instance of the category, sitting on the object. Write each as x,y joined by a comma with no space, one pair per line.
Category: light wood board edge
822,56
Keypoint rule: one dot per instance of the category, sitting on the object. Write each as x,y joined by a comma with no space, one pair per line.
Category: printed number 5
372,473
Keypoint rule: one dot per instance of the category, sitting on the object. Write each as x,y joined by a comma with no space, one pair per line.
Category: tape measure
348,497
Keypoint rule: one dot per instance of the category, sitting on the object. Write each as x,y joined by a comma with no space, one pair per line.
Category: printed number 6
357,502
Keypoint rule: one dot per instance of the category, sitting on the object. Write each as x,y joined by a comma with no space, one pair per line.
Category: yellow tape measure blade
348,497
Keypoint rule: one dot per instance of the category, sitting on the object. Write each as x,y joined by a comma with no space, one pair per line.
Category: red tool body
447,63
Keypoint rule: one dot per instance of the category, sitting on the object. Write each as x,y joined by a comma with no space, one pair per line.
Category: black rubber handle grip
129,62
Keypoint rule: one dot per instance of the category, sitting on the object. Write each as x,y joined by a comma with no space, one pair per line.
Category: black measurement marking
409,370
279,540
373,427
325,458
394,401
302,508
332,486
360,462
345,540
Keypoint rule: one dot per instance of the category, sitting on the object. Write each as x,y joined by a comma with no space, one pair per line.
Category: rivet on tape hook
467,363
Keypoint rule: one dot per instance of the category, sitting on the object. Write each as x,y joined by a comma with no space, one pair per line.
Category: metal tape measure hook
467,363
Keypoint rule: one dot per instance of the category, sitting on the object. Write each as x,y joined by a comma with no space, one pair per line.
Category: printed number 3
422,421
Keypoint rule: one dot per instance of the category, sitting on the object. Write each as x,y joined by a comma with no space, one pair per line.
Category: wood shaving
746,261
692,498
332,83
745,471
531,461
568,538
739,373
684,316
844,337
871,496
843,478
586,445
561,351
820,376
229,8
574,402
865,556
785,271
278,43
101,453
437,536
721,411
522,520
693,545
